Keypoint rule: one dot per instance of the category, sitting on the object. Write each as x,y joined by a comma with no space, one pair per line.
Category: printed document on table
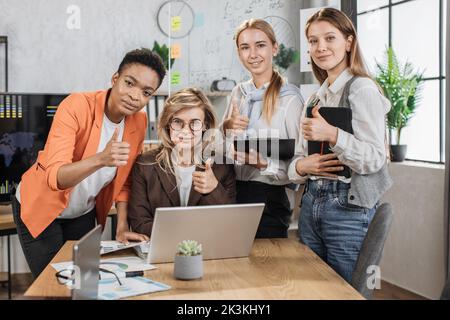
118,265
109,289
112,246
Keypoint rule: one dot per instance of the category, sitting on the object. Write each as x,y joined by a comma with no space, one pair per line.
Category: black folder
286,147
338,117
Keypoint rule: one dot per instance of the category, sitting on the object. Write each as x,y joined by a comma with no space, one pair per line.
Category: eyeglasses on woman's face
177,124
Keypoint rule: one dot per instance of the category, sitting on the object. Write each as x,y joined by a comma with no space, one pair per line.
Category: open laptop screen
225,231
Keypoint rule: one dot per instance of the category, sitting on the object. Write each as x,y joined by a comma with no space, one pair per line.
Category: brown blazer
152,188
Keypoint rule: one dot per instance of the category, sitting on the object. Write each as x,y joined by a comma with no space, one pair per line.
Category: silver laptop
224,231
86,256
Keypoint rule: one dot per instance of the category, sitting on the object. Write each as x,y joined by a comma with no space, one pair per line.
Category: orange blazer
75,135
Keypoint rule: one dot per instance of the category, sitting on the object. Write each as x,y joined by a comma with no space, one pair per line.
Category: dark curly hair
147,58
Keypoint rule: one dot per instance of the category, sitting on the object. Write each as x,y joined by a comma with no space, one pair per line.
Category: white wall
413,255
18,262
47,54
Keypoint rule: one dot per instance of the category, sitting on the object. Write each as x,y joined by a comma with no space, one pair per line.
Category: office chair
445,295
372,248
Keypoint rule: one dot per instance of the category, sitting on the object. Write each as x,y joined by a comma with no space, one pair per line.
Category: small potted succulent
188,263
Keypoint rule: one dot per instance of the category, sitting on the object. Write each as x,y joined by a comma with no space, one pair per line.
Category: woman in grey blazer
337,208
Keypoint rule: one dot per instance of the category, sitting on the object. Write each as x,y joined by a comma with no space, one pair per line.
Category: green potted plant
285,57
402,85
163,52
188,262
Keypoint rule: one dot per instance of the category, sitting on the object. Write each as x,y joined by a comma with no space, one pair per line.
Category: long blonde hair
273,91
342,22
184,99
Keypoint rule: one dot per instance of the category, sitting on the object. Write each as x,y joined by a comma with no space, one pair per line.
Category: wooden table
275,269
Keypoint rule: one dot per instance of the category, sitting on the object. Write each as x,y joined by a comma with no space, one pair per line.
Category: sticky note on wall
175,23
175,51
199,20
175,78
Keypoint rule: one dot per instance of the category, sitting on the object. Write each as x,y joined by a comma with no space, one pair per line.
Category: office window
421,45
376,24
416,31
367,5
444,110
422,133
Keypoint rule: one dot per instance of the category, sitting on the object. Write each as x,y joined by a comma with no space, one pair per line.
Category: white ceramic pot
188,267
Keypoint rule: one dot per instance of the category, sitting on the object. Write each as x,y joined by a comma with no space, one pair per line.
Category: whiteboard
209,51
49,51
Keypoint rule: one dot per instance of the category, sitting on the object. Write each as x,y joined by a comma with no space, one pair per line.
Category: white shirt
82,197
184,183
284,125
364,151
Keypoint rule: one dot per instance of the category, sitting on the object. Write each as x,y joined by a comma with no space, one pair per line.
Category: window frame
441,77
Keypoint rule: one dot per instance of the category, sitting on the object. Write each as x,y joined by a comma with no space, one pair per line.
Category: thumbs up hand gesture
116,152
318,129
205,181
236,121
253,158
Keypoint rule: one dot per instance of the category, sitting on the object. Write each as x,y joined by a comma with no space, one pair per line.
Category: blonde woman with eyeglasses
177,173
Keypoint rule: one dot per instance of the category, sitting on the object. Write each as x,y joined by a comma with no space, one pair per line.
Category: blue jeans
331,227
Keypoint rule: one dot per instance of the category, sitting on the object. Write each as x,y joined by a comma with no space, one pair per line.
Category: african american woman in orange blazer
91,147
